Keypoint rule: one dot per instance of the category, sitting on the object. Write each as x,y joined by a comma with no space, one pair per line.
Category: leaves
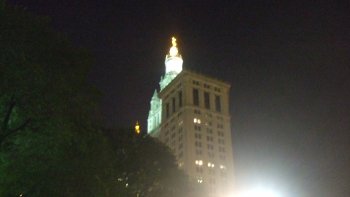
50,142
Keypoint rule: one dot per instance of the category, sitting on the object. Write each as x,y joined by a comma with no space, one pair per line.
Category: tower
190,114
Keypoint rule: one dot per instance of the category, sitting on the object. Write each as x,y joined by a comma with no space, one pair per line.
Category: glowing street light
258,192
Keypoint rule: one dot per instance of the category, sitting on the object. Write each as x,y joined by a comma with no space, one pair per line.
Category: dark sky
288,64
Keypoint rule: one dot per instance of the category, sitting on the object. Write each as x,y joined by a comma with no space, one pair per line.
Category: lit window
197,120
211,165
199,162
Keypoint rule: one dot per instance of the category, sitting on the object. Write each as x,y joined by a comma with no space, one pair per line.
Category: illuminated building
190,114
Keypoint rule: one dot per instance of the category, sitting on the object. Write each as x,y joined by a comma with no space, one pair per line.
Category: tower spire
173,64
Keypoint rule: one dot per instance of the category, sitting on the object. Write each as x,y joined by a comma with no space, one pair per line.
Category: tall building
190,114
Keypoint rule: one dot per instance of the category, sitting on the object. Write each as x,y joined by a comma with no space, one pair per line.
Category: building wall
200,137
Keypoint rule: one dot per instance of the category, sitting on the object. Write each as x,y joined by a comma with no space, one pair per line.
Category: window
195,97
220,133
209,138
221,141
195,82
206,100
180,145
221,149
220,126
173,104
197,128
179,115
211,155
198,151
222,157
198,144
206,86
196,120
199,169
197,136
167,110
180,99
196,111
211,171
210,131
210,147
217,103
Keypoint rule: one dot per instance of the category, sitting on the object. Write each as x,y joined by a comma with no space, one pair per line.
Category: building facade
190,114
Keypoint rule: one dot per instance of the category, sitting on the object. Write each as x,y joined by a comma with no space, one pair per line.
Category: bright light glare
259,192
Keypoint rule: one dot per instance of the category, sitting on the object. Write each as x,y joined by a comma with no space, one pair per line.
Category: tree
48,141
146,166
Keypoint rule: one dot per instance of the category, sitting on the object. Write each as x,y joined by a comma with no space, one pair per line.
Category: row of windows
173,104
198,144
198,121
209,131
206,86
209,138
200,170
195,95
199,152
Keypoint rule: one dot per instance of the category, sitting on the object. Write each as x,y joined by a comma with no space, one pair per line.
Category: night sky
288,64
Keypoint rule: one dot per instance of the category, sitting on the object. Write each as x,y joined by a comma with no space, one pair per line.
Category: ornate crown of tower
173,60
173,64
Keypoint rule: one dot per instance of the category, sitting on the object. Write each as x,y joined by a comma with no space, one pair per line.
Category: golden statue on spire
173,50
173,41
137,128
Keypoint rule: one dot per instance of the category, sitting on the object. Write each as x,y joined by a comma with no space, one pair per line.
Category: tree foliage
50,142
146,167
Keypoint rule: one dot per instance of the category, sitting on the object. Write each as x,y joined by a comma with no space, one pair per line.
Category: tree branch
24,124
12,131
8,114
